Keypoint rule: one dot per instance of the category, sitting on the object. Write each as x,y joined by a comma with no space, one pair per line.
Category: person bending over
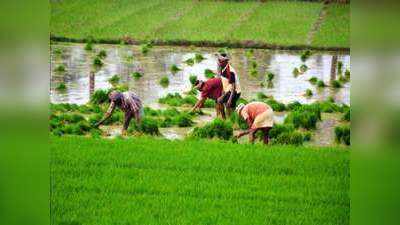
259,116
129,103
212,88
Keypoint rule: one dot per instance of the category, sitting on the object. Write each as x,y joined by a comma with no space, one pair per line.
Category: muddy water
124,60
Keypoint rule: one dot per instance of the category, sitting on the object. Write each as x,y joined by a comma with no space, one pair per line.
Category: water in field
124,60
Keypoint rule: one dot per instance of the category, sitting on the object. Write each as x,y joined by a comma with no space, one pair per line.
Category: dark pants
235,98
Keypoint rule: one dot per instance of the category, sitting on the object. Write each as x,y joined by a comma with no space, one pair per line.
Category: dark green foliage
305,116
147,126
136,75
321,84
172,99
313,80
174,69
57,51
60,68
183,120
253,64
292,138
253,72
189,62
114,80
217,128
329,106
296,72
63,107
303,68
102,54
238,121
145,48
89,46
262,96
275,105
208,73
307,136
343,134
336,84
192,79
270,77
190,100
97,61
279,129
340,67
164,81
346,115
309,93
198,57
306,54
99,96
294,106
209,103
95,118
61,87
347,74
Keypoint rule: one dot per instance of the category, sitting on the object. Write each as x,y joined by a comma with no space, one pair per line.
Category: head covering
115,95
223,57
239,108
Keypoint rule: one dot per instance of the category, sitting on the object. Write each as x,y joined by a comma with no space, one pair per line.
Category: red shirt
212,88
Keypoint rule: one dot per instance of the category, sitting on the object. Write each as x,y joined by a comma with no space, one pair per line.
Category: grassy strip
153,181
335,30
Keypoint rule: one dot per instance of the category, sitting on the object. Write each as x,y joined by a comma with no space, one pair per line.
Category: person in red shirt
259,116
212,88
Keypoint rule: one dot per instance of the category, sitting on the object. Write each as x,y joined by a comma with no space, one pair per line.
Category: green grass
153,181
335,30
285,23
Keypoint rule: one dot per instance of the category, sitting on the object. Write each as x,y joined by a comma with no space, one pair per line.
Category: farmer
129,103
212,88
259,116
230,84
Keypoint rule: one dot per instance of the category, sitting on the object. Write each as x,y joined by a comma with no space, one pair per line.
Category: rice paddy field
282,23
156,181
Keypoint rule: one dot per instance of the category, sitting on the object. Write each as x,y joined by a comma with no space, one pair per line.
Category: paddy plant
199,57
136,75
253,72
147,126
340,67
346,115
60,68
305,55
175,69
164,81
293,138
89,46
61,87
309,93
97,62
347,74
102,54
192,79
296,72
114,80
218,128
313,80
321,84
336,84
303,68
270,76
189,62
209,73
145,48
342,134
100,96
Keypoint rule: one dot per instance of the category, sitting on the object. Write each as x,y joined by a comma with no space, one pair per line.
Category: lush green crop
152,181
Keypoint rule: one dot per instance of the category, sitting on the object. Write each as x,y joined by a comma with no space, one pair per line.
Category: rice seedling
97,62
136,75
253,64
192,79
99,97
307,135
174,69
164,81
309,93
313,80
321,84
278,129
58,51
218,128
270,84
293,138
114,80
209,103
294,106
144,49
270,76
340,67
89,46
305,55
209,73
146,126
342,134
305,116
303,68
61,87
60,68
346,116
275,105
296,72
189,62
198,57
336,84
249,53
253,72
347,74
102,54
183,120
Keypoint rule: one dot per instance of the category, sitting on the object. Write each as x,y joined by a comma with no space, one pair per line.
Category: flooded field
124,60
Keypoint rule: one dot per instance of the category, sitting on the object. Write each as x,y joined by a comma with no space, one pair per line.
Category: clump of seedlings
336,84
97,62
192,79
174,69
146,126
262,96
189,62
270,77
102,54
294,106
198,57
346,115
340,67
305,116
342,134
249,53
60,68
309,93
89,46
218,128
306,54
136,75
313,80
209,73
275,105
321,84
253,72
296,72
303,68
99,96
58,51
164,81
114,80
347,74
145,48
61,87
289,138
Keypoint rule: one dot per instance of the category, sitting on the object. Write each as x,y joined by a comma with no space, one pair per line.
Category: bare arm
198,104
107,114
